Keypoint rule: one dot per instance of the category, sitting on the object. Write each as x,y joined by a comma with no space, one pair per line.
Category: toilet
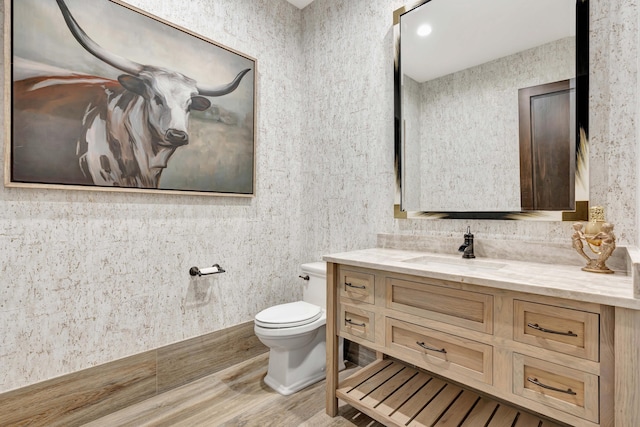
295,334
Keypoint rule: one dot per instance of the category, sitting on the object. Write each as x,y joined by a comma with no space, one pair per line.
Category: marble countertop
556,280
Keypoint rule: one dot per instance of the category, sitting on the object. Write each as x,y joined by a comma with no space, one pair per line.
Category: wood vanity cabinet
549,356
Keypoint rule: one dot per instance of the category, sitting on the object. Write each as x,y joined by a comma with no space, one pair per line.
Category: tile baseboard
80,397
189,360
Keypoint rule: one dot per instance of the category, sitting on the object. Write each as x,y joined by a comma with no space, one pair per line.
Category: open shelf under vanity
398,394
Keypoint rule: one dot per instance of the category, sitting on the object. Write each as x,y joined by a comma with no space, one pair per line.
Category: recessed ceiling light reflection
424,30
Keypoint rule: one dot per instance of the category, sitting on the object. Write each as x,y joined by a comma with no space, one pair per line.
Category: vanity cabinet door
556,386
564,330
356,285
438,351
470,310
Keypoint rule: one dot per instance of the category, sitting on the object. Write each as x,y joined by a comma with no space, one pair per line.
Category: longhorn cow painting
107,96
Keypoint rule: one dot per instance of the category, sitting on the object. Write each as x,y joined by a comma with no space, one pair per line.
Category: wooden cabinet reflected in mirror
547,147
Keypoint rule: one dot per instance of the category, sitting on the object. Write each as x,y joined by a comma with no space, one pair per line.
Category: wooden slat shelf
400,395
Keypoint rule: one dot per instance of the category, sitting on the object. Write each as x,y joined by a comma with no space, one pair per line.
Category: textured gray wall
88,277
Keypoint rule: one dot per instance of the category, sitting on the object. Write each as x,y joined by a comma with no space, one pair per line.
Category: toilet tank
315,289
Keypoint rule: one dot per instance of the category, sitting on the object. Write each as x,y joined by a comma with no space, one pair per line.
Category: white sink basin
461,263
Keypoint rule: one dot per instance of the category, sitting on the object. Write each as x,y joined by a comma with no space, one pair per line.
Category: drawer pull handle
351,322
549,331
354,286
538,383
426,347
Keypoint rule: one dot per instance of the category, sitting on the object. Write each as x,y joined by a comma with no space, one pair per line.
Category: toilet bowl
296,336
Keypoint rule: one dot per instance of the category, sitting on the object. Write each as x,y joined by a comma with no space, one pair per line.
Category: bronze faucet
467,247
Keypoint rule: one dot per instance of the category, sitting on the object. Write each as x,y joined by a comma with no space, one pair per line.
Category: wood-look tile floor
237,396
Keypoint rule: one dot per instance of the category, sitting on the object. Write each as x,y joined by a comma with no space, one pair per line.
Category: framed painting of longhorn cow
104,96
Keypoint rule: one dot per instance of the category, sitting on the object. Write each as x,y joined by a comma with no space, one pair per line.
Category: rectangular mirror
492,108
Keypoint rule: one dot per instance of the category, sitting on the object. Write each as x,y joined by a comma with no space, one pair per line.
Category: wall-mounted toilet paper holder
214,269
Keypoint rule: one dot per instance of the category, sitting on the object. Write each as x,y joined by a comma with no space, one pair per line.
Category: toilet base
290,389
292,370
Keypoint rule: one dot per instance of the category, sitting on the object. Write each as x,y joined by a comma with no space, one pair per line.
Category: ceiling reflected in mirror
467,33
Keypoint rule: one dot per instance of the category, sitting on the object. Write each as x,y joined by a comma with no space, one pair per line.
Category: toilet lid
288,315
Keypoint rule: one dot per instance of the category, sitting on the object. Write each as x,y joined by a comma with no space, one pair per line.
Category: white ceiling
467,33
300,4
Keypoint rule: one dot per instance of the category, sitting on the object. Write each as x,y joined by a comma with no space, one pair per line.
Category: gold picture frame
107,97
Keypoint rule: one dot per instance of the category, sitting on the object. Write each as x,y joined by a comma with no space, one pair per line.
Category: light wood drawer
556,386
439,351
356,322
559,329
356,285
471,310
